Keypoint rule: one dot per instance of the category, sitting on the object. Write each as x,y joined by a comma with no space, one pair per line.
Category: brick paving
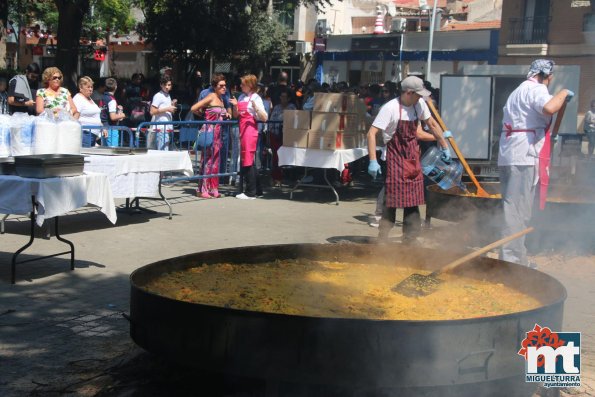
63,332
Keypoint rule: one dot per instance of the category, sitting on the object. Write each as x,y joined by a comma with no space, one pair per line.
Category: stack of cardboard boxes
338,121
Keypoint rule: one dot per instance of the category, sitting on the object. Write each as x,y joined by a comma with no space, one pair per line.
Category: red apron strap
544,168
509,130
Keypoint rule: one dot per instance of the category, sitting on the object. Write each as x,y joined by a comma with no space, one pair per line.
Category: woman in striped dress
214,110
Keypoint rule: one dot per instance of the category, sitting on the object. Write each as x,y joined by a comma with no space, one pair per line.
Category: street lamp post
430,44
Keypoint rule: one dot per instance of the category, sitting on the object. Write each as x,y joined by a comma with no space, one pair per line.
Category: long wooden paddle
558,121
480,191
420,285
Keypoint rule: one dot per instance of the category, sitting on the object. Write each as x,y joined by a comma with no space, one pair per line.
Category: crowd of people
223,99
140,100
400,115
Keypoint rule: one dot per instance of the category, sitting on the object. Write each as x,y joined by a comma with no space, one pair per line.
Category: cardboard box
347,141
338,103
326,102
325,121
331,140
297,119
361,141
356,104
321,140
295,138
352,140
353,123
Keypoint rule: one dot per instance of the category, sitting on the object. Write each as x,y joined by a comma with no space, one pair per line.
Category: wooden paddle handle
483,250
558,120
480,191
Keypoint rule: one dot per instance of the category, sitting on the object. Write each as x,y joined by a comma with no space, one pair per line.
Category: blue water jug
445,175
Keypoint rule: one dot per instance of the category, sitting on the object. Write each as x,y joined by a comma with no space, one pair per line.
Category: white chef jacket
524,111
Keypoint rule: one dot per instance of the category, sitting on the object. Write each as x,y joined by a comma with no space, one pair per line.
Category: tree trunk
70,23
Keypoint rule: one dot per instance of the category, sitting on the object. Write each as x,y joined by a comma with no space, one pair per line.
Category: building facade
563,31
369,59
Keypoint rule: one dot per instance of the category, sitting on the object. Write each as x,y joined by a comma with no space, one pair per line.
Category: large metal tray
113,151
49,165
7,166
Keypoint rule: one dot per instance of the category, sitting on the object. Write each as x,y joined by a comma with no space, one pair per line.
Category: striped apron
404,181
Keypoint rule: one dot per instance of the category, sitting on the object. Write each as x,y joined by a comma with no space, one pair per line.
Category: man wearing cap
398,120
523,157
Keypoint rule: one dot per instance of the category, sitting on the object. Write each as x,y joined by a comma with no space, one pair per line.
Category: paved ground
62,331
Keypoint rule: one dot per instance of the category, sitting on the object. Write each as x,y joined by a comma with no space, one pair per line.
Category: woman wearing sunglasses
213,108
53,96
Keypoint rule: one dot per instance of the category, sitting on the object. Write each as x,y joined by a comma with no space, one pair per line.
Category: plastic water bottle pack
446,175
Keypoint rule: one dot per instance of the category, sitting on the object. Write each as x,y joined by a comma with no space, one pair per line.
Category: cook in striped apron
404,180
398,120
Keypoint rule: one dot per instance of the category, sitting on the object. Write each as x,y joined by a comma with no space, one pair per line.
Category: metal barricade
121,137
183,136
269,139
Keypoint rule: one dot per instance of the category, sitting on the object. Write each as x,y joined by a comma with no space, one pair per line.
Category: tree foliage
28,13
266,40
108,14
176,26
98,15
194,29
72,19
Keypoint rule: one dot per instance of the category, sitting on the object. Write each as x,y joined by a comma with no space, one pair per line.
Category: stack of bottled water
446,175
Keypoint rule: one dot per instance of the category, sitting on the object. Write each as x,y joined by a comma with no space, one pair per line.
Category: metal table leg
327,186
14,261
136,201
2,230
60,238
131,207
163,197
331,187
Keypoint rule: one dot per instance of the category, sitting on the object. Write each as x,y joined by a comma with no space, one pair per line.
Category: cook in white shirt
527,117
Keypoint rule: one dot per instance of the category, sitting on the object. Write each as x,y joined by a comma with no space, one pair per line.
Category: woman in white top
162,109
249,108
89,111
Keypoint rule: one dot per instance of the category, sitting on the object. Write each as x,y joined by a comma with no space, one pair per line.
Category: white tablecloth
319,158
56,196
137,175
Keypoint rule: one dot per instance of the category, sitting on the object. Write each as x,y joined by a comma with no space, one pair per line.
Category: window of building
321,28
292,71
589,23
533,28
369,77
